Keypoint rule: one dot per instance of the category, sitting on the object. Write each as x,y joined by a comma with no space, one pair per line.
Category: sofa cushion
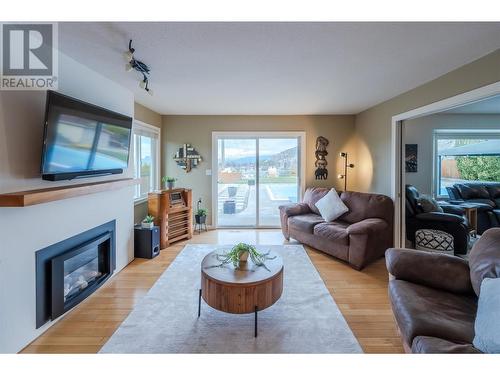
331,206
312,195
365,205
304,223
484,258
494,191
435,345
335,231
424,311
487,327
473,191
453,192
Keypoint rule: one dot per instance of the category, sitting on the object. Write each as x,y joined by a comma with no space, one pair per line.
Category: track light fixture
138,66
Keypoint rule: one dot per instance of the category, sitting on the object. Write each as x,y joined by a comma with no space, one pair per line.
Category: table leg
199,303
256,309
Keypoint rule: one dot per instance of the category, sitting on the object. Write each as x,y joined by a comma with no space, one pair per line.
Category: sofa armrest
295,209
479,206
368,240
452,209
433,270
291,210
440,216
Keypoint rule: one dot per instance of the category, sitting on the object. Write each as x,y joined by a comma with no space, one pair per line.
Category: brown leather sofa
434,296
359,237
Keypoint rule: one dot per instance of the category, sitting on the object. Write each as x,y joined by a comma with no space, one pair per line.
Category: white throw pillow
331,206
487,325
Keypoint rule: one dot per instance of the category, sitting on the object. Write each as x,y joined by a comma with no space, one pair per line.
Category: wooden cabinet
173,213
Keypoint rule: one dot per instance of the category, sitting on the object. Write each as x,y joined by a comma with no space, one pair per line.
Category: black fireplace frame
45,310
59,306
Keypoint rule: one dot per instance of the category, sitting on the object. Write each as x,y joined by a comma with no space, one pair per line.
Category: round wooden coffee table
247,289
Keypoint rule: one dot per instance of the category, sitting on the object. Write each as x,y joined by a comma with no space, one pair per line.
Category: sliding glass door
253,175
236,174
278,177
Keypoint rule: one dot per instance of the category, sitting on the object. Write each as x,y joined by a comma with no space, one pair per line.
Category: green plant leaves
482,168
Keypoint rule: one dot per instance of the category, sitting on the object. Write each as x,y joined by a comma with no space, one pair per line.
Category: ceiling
488,106
277,68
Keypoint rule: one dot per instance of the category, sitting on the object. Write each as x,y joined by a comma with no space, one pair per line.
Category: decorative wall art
321,172
187,157
411,158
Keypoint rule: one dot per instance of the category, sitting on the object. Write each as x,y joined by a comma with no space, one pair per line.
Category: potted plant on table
239,255
168,182
201,216
148,222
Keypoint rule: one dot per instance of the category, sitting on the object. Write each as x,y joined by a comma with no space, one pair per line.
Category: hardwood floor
361,297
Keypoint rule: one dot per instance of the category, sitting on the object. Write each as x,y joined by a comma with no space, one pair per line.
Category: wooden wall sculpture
321,172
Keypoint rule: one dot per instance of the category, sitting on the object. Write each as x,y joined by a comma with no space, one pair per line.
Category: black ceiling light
138,66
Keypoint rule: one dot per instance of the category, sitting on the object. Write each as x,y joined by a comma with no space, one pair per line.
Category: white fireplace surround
25,230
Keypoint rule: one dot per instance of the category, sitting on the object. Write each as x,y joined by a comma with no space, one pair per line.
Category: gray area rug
304,320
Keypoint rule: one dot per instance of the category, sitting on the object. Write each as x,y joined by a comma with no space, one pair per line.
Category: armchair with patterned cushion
450,219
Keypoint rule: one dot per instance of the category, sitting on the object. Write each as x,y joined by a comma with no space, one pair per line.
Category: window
146,159
465,156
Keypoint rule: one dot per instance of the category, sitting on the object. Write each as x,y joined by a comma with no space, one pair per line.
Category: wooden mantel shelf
38,196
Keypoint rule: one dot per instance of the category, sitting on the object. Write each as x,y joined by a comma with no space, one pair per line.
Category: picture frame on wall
411,158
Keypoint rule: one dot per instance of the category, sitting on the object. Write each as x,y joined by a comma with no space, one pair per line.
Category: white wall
26,230
420,131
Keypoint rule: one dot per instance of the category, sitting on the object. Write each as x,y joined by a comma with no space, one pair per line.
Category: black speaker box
146,242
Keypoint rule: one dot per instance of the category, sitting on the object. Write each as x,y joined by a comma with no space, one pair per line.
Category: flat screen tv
83,140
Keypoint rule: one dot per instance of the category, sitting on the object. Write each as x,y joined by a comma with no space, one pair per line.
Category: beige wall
150,117
197,130
373,126
147,115
420,131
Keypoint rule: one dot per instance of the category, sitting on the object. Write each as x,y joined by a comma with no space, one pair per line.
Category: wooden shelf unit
174,219
50,194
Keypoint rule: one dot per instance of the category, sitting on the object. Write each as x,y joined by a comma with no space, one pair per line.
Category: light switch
208,172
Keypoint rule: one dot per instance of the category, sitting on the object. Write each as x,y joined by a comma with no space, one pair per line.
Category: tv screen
83,140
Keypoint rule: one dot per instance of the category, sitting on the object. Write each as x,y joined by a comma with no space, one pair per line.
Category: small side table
242,290
471,214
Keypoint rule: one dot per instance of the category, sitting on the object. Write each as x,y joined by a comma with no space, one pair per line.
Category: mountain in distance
289,153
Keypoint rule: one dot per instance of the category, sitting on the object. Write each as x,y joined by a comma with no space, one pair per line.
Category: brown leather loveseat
434,296
359,237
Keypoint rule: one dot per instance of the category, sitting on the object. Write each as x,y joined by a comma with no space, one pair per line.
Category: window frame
153,130
439,134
